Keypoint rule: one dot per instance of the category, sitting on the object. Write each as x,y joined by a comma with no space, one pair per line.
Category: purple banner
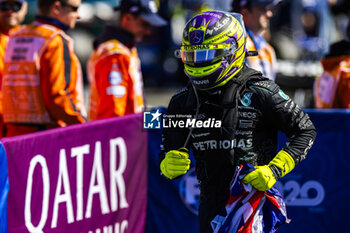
89,178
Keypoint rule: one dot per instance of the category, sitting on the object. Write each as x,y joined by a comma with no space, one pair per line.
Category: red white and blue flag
249,210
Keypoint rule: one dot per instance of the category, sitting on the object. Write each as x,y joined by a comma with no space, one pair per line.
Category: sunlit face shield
204,54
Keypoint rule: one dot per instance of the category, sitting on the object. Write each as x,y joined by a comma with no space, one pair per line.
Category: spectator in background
114,69
41,72
256,16
317,29
332,88
12,14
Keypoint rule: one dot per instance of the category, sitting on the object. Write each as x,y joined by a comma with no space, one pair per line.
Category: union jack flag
249,210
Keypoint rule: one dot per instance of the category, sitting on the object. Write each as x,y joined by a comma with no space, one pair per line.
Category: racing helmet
213,48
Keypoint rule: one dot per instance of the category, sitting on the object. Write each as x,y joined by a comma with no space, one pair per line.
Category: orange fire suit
265,61
114,71
332,88
40,79
3,43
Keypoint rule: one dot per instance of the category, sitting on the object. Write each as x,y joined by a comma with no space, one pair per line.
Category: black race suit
252,109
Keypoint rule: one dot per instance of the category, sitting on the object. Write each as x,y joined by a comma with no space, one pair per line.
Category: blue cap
147,9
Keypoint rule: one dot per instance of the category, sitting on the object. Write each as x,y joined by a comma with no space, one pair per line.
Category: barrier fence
101,177
84,178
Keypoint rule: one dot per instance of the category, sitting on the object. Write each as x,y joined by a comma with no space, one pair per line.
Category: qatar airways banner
86,178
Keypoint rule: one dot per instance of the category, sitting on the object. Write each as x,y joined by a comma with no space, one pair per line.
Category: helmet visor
194,54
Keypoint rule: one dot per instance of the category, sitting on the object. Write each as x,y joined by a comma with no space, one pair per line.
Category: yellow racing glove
175,163
264,177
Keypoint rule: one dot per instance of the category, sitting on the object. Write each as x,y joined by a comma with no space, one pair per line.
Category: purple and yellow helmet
213,48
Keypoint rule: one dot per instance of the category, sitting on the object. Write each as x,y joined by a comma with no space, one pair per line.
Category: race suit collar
224,95
112,32
51,21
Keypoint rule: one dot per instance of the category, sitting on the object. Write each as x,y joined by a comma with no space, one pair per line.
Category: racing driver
251,109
